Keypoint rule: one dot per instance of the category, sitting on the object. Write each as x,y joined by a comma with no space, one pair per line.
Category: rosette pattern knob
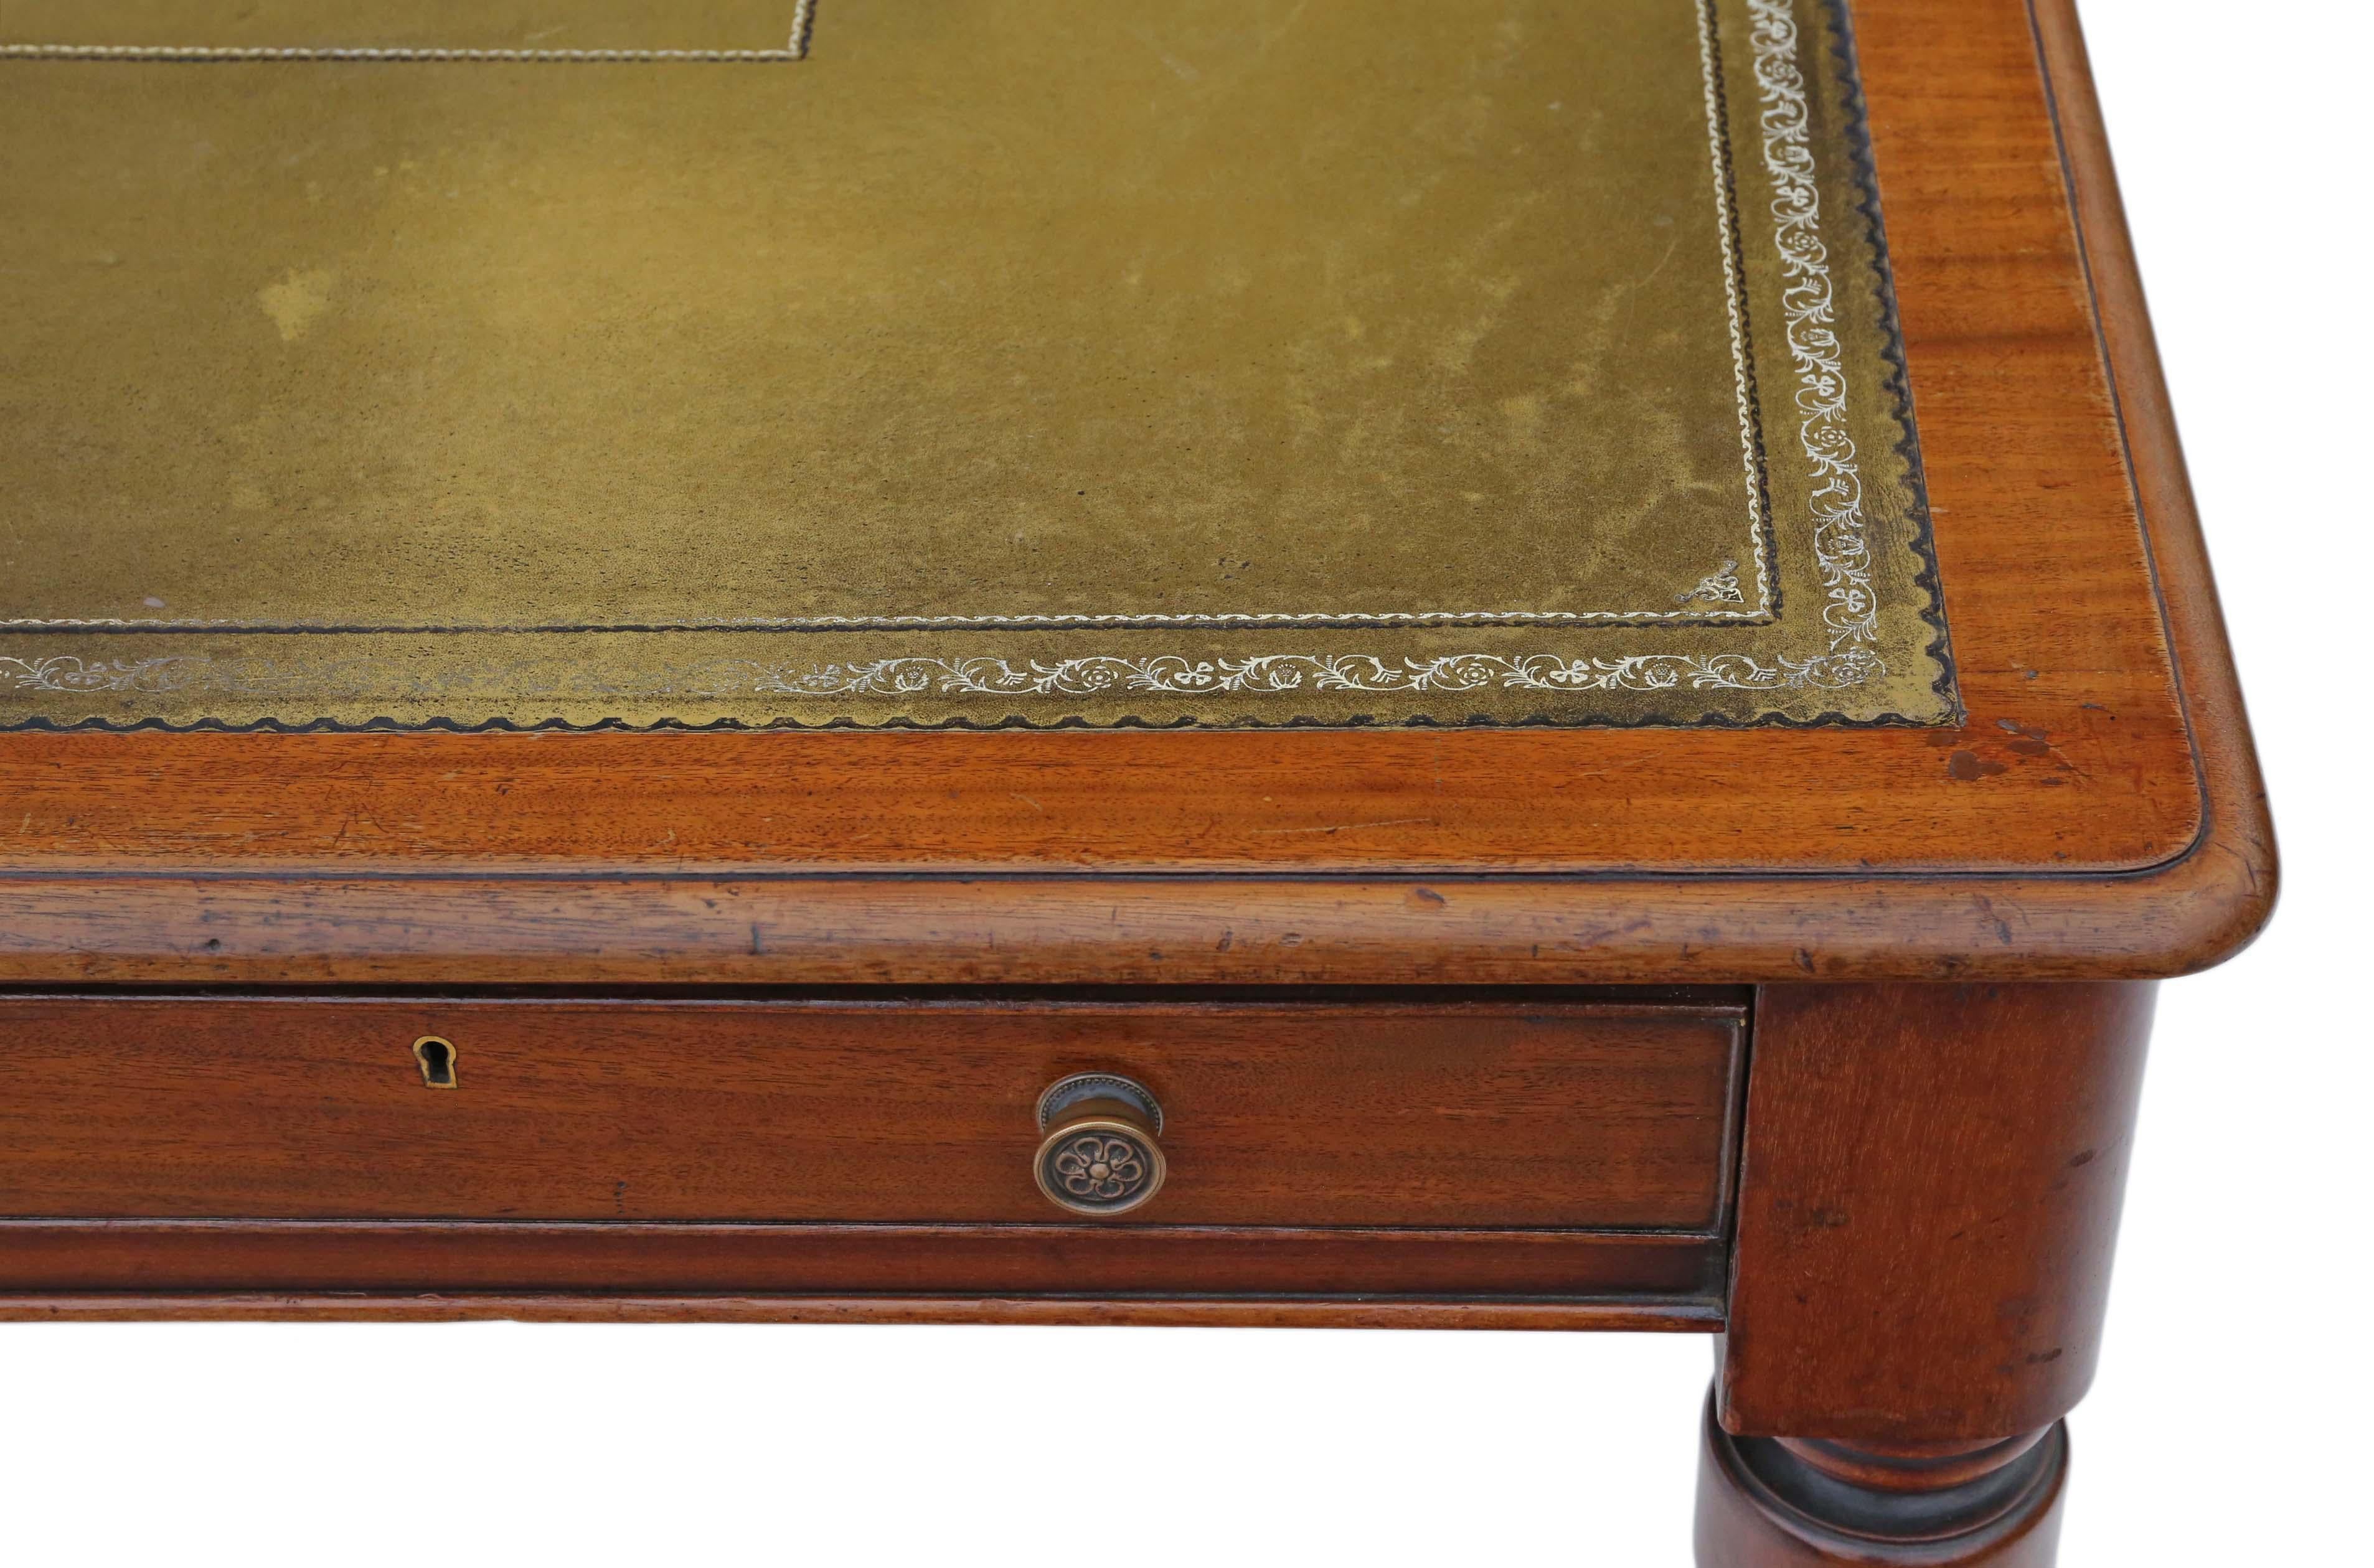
1099,1152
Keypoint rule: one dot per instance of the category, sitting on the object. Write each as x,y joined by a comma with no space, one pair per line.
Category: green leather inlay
1204,361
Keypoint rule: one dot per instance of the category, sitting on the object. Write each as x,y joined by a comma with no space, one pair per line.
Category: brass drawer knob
1100,1154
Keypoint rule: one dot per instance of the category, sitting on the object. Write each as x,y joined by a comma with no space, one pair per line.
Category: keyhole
436,1058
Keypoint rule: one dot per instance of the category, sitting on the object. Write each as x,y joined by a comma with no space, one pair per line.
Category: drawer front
1500,1116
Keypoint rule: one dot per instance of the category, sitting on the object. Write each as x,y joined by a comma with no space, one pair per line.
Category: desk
1398,667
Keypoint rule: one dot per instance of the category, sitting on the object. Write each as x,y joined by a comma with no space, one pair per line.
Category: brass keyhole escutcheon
1102,1152
436,1058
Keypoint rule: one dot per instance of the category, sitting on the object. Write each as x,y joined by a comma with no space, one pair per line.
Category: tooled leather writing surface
2106,842
1218,362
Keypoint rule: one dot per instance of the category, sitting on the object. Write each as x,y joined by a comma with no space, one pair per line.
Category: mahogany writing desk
1492,666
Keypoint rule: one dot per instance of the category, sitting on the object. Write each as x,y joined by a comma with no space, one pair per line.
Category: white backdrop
2231,1388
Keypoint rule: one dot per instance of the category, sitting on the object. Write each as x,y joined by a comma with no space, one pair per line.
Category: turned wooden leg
1930,1184
1784,1502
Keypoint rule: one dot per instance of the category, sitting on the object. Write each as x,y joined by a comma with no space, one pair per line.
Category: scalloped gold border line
803,28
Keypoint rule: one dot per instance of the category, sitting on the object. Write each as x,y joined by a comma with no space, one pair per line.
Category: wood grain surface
594,1261
1504,1116
1929,1205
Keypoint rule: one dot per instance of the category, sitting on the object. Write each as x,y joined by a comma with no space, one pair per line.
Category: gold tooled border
803,30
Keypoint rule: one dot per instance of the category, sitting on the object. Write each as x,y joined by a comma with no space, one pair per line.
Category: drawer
1501,1116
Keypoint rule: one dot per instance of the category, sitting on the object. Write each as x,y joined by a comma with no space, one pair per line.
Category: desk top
1228,492
1242,362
